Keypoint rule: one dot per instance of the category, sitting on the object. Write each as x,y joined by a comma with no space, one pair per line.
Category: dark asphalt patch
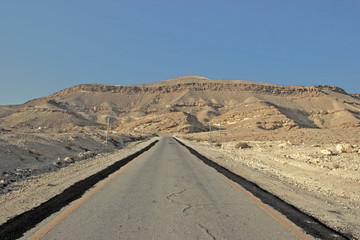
309,224
15,227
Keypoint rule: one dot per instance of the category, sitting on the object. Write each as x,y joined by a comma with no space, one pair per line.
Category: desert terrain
299,142
302,167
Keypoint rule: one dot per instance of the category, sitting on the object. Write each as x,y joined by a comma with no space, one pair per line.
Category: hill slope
146,108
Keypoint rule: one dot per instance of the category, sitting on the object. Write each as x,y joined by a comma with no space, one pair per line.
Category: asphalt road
167,193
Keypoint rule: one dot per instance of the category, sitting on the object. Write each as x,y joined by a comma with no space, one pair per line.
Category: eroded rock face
311,91
254,105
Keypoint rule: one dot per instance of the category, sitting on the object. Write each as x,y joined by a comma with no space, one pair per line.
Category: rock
68,160
326,152
341,148
56,164
89,154
285,144
80,157
3,183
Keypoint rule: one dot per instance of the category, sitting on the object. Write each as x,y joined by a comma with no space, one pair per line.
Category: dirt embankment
36,189
29,153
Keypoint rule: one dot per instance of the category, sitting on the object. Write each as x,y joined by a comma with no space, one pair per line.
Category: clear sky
47,46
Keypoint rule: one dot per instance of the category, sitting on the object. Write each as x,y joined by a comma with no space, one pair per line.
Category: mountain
188,104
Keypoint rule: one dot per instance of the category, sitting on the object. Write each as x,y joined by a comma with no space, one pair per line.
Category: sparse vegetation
241,145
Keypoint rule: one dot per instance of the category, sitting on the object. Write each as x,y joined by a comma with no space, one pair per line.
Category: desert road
166,193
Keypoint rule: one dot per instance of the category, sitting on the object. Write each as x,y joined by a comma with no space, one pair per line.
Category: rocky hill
188,104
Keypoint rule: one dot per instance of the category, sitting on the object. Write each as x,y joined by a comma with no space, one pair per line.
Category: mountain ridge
208,100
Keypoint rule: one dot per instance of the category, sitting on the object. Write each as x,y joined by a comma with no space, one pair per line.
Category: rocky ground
32,190
32,152
318,171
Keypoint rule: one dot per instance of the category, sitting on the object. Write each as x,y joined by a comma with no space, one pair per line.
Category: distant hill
188,104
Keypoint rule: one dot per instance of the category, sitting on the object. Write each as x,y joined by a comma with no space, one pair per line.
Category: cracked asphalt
168,193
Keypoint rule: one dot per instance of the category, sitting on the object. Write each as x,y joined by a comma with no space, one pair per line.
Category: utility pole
108,126
220,135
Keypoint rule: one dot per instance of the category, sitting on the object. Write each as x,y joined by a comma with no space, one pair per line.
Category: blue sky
47,46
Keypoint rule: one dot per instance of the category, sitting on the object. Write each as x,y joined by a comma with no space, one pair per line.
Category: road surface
167,193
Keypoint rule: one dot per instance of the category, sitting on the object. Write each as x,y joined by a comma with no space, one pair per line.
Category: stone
56,164
344,148
68,160
326,152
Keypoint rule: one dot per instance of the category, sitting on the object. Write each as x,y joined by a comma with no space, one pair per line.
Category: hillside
147,108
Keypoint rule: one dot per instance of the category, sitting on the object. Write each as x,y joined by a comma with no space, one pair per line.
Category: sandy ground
33,191
326,187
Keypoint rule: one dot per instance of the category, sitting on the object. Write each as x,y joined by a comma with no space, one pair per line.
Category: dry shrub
241,145
336,165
